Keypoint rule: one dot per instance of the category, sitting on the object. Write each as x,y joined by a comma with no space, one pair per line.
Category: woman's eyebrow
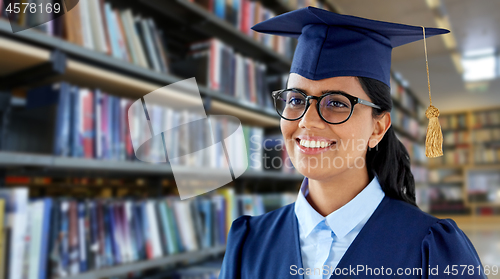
322,92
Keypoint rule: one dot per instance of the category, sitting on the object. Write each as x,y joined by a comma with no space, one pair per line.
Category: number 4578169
33,8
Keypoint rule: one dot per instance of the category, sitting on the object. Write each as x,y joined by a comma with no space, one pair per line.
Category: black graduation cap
331,44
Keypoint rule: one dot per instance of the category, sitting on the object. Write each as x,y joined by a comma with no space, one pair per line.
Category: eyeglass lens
334,108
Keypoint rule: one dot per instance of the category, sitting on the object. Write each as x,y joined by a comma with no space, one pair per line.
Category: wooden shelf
430,166
177,259
497,204
445,182
483,166
16,56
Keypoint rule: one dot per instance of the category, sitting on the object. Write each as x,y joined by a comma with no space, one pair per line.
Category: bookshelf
85,66
24,51
469,169
200,19
409,123
90,68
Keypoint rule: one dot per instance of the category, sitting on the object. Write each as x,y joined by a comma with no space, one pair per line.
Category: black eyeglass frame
352,99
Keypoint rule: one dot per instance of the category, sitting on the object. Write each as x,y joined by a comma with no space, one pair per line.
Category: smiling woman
355,213
330,168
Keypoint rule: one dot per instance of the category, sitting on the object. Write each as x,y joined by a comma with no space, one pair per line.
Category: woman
355,214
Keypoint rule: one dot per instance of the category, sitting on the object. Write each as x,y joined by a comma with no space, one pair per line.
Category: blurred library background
75,202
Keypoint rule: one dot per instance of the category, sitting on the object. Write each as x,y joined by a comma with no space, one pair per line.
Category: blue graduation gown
398,236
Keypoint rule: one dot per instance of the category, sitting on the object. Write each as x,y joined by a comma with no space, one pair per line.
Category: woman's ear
381,126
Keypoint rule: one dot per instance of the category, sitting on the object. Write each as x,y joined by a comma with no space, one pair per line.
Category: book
3,240
159,45
82,243
16,210
39,219
86,25
97,27
73,248
62,145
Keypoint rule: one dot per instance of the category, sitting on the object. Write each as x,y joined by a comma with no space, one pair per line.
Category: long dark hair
389,159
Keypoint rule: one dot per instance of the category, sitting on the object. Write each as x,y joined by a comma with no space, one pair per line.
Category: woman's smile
314,145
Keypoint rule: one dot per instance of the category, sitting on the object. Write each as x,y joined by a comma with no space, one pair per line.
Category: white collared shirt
324,240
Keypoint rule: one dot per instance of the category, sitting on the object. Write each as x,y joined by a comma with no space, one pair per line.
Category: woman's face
349,140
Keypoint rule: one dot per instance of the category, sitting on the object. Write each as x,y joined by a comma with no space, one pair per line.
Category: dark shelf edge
18,159
192,257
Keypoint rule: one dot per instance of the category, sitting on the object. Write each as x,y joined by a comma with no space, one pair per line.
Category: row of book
486,135
483,187
422,198
485,183
416,151
420,173
446,192
96,25
400,94
453,121
487,211
456,137
437,176
485,118
460,156
486,155
243,14
445,201
59,237
217,66
456,156
400,119
67,120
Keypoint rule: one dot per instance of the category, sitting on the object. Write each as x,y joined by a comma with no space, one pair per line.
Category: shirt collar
344,219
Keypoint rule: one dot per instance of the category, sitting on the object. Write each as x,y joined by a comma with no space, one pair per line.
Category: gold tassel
434,137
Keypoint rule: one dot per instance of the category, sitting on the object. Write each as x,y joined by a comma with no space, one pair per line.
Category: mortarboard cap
331,44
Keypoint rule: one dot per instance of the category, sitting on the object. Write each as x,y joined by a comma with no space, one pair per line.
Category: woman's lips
312,151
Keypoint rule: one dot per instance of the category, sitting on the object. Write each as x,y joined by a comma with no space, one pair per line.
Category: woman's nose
311,119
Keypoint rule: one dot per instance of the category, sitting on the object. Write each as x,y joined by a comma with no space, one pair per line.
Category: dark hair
389,159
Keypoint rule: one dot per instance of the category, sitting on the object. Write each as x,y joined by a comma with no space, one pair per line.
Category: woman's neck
326,196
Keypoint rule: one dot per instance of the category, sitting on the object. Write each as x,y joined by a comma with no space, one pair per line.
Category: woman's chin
316,172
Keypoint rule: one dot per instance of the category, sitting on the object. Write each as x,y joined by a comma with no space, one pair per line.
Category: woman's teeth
315,144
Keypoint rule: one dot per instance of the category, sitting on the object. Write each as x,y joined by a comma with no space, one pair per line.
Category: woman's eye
337,104
295,101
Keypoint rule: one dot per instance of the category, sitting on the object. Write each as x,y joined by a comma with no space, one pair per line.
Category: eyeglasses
333,107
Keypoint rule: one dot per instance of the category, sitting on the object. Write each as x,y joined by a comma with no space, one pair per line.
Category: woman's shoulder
446,247
442,241
406,215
